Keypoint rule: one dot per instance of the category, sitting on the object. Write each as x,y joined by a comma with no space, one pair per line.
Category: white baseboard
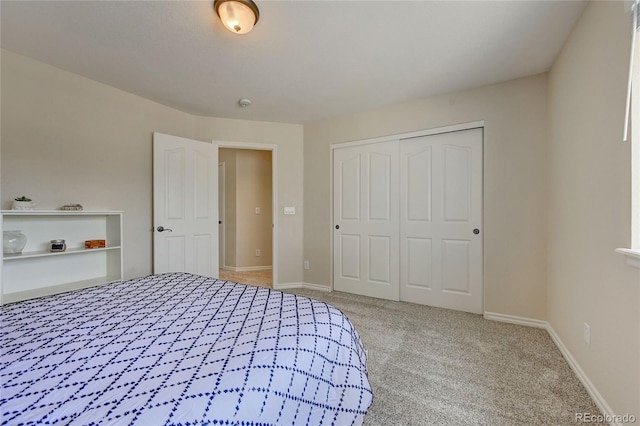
318,287
246,268
512,319
284,286
579,372
582,376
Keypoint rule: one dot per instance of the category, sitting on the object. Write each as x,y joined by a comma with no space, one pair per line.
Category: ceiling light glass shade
239,16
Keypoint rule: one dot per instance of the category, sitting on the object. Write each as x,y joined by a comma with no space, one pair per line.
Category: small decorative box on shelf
72,207
91,244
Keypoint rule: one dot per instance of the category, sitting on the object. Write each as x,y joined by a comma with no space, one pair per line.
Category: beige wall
254,191
69,139
589,206
514,188
249,186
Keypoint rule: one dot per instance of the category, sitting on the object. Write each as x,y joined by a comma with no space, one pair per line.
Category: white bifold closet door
408,216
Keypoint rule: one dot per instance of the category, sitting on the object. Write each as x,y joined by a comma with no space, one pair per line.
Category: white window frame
633,253
635,159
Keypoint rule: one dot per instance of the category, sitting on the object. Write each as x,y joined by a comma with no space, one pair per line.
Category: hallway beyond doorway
260,278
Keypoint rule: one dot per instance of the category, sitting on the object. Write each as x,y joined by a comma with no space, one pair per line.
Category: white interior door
366,220
185,205
441,220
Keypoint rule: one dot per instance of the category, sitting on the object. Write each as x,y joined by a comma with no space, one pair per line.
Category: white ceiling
304,60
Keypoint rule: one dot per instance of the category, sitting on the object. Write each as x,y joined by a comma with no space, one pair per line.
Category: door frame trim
221,208
400,136
409,135
274,193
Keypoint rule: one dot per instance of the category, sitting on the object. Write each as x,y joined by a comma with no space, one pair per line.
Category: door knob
476,231
162,229
337,226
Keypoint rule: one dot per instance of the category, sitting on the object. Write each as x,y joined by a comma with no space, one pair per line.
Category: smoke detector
244,103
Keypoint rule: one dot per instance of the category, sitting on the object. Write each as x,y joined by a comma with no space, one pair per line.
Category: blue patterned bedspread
180,349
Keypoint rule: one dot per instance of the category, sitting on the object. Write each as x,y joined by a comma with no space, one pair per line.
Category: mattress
180,349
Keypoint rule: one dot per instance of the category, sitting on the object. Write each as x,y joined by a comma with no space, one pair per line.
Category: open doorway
246,215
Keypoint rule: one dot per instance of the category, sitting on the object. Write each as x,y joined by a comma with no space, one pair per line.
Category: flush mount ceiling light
239,16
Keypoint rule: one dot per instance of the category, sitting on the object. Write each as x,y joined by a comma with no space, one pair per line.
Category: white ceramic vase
23,205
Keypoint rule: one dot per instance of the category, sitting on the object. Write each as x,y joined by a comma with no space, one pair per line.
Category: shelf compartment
46,253
38,272
75,229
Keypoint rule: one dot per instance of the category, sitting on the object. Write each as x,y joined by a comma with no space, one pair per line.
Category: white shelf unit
38,272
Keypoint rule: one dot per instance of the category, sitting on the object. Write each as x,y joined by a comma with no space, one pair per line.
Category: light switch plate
289,210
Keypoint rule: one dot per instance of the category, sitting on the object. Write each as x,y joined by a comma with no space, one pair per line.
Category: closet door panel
457,185
455,266
379,187
349,257
441,202
365,228
419,268
350,188
418,185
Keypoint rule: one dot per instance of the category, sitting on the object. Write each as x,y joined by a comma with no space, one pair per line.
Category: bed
180,349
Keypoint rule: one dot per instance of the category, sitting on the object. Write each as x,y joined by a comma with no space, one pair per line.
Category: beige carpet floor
431,366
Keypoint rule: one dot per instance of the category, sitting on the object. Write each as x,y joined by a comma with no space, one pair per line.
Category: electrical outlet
586,334
257,210
306,264
257,252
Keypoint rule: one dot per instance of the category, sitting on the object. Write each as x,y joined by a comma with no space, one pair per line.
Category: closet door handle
162,229
476,231
337,226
